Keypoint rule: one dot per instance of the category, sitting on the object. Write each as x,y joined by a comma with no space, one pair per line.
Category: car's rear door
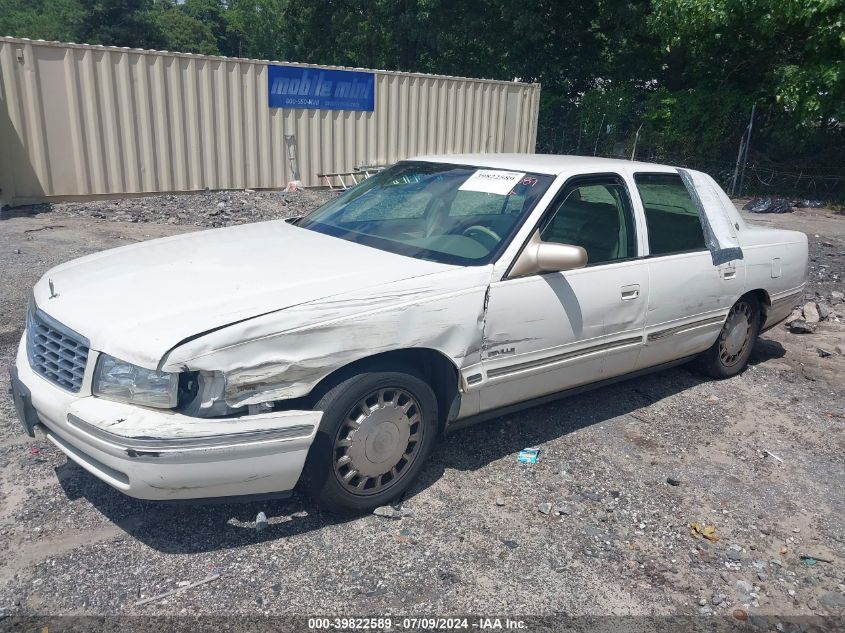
689,296
544,333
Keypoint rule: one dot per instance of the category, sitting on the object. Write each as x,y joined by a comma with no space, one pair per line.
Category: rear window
671,216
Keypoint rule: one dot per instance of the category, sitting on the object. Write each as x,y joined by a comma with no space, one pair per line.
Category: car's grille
56,352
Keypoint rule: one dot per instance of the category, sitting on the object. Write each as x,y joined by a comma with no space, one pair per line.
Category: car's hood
138,302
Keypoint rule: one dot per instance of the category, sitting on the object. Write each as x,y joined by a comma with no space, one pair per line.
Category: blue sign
316,88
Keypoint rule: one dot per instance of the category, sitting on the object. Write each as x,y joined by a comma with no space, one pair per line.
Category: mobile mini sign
320,89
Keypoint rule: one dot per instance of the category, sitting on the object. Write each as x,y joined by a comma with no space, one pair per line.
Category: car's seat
591,225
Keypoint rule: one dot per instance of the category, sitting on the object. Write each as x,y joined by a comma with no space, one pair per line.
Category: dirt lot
760,456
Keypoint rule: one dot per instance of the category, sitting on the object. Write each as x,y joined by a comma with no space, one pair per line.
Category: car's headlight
118,380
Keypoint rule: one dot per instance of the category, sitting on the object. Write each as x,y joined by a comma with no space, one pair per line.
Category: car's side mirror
547,257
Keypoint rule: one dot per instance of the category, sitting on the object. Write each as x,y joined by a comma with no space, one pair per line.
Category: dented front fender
285,354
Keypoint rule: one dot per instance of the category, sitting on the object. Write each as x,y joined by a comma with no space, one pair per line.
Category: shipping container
80,121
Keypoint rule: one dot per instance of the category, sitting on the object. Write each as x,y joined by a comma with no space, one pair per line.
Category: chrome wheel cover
378,440
736,334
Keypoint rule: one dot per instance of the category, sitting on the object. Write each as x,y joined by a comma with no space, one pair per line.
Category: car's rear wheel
729,354
377,430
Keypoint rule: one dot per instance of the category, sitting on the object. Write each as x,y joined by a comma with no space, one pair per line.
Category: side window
596,215
670,214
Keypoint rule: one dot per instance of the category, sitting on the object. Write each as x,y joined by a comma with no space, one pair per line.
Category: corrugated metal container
78,120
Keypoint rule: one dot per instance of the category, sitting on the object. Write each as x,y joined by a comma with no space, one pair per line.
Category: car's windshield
454,214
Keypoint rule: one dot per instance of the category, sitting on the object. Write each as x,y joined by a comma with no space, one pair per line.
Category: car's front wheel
729,354
377,430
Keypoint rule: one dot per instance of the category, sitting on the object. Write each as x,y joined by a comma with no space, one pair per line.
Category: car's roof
542,163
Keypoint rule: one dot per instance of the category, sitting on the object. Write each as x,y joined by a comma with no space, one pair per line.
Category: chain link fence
821,176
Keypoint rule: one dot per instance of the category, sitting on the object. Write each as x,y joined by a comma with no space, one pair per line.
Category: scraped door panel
688,303
546,333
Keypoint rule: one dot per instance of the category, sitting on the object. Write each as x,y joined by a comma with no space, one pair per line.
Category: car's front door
547,332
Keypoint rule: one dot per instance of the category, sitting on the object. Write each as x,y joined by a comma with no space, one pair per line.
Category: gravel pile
209,208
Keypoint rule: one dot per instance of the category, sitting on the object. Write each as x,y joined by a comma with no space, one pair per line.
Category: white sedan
332,350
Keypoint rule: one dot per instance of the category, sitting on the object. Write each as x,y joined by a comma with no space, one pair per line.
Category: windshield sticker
492,181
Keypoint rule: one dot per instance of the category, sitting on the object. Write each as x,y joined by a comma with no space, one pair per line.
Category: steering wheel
477,231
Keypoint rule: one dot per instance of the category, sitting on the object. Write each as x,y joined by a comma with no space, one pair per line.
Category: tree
791,52
184,33
42,19
120,23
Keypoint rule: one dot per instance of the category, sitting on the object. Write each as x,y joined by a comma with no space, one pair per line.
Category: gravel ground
625,469
208,209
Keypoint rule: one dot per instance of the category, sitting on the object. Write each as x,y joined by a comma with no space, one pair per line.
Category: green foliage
119,23
184,33
683,72
789,52
42,19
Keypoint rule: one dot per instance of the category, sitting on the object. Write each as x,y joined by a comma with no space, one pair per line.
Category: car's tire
729,354
354,469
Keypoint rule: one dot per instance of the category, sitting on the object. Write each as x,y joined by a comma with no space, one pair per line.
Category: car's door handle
729,273
630,292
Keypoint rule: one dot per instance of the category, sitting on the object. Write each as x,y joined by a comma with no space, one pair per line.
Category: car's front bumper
157,454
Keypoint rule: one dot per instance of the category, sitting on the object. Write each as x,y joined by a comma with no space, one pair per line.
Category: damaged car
331,351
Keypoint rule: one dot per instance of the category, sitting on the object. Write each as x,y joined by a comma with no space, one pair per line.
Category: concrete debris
500,501
802,327
545,508
796,315
837,296
390,512
811,312
213,208
673,481
261,522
